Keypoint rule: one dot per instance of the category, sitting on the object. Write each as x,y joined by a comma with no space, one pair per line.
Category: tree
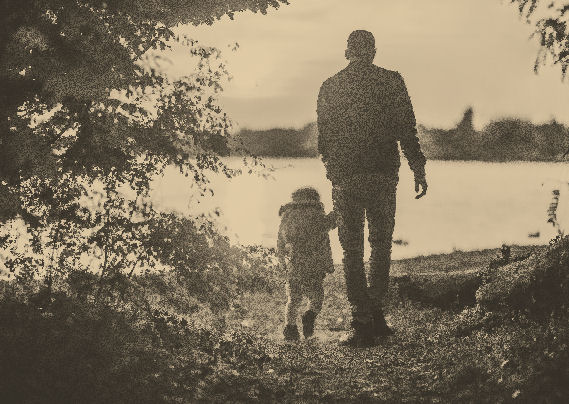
87,119
551,20
68,56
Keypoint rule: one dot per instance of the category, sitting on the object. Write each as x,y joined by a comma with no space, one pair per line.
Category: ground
405,367
176,350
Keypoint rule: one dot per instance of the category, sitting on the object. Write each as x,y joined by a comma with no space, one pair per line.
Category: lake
469,205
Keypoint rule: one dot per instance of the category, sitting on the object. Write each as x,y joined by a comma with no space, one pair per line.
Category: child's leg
316,297
294,299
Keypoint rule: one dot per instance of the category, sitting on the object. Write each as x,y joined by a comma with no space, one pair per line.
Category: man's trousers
370,196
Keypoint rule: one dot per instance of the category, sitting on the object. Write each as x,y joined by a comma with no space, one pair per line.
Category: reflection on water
469,205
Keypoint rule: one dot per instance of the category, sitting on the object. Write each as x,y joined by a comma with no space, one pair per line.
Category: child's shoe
308,323
290,333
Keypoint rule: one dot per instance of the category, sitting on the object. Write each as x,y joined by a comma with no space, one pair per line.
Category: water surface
469,205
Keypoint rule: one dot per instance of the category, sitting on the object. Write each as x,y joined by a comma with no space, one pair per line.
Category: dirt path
399,369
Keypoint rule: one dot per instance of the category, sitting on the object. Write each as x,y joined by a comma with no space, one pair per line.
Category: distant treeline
505,139
280,142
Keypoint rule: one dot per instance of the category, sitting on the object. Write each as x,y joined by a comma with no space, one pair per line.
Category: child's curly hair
306,194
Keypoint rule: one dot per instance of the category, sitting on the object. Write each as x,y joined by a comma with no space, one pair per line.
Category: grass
170,354
430,358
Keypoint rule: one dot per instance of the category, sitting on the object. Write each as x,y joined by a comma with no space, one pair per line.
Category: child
303,248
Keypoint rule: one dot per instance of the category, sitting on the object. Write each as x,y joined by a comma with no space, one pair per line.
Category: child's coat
303,243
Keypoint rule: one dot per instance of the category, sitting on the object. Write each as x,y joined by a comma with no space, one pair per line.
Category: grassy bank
437,354
263,312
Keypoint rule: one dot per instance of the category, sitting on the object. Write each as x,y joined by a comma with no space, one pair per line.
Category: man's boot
290,333
380,327
362,335
308,323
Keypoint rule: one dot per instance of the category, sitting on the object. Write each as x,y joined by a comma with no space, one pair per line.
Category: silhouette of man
363,111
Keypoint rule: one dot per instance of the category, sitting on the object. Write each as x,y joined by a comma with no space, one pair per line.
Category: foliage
209,270
88,120
131,305
77,351
280,142
538,285
503,360
504,139
437,355
171,345
550,19
158,336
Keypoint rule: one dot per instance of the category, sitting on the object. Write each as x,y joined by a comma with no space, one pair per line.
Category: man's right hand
420,184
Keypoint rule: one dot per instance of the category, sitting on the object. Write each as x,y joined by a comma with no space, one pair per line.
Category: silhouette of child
303,248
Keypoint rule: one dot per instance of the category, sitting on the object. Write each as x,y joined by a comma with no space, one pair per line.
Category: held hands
420,184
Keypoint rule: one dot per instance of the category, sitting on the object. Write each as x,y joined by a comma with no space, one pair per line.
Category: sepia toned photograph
284,201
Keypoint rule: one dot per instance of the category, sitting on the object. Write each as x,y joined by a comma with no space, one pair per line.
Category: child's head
306,194
301,197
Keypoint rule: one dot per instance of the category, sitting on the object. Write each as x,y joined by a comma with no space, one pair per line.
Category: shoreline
459,260
455,261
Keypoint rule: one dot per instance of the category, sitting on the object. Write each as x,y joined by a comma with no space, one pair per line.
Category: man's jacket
363,111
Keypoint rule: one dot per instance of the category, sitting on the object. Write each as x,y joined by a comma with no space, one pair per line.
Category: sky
451,53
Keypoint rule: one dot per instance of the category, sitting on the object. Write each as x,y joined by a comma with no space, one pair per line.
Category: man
363,111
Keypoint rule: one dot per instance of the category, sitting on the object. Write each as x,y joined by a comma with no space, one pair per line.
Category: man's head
361,46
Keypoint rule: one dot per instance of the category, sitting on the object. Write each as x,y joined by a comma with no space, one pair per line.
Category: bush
206,265
78,351
514,342
537,285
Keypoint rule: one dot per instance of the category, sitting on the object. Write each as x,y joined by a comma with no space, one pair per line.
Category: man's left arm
407,131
